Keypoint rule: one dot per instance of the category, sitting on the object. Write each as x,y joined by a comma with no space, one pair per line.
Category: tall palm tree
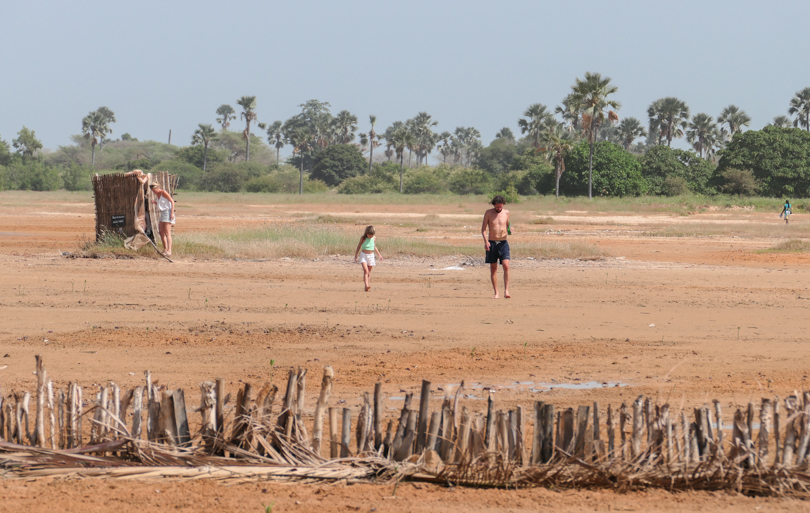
401,139
782,122
421,127
388,135
734,118
226,114
629,130
701,129
94,127
505,134
372,139
800,107
345,126
109,117
248,104
557,142
537,120
275,136
668,118
444,145
204,135
302,140
570,111
593,93
465,138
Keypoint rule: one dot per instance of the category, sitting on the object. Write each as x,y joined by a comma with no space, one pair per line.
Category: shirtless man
497,221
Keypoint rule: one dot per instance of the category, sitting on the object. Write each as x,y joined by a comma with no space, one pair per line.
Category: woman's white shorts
367,258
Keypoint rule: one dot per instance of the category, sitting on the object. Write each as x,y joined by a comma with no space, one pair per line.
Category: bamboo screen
115,196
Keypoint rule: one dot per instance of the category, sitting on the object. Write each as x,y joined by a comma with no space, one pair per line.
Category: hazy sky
163,65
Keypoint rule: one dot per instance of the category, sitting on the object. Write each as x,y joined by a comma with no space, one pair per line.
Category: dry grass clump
791,245
543,220
569,250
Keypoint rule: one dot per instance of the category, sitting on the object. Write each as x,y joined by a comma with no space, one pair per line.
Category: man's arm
484,230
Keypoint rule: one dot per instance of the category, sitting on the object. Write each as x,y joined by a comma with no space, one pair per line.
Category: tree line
330,151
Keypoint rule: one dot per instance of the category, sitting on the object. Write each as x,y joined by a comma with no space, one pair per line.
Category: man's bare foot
496,296
506,295
368,288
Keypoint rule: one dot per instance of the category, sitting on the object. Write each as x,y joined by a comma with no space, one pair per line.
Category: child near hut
366,248
166,207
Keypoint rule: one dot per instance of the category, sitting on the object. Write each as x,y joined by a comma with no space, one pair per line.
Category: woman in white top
166,207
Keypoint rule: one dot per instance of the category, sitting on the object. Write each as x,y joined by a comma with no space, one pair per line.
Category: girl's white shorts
367,258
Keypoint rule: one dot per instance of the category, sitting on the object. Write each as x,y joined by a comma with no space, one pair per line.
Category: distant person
786,211
165,205
496,221
366,249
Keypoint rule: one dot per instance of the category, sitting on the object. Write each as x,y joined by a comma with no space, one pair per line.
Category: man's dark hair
498,199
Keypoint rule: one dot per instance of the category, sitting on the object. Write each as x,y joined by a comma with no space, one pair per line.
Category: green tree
423,180
421,127
445,147
401,140
628,131
248,104
94,125
470,180
226,114
614,171
345,125
537,119
109,117
338,162
33,175
26,143
505,134
204,135
662,162
5,153
570,111
732,119
497,158
593,93
464,140
302,140
668,118
800,107
778,157
275,136
781,122
741,182
702,133
224,177
372,139
557,142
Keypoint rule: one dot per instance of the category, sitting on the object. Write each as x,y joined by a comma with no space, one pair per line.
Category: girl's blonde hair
369,233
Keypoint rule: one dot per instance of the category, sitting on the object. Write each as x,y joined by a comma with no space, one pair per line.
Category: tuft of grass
570,250
543,220
792,245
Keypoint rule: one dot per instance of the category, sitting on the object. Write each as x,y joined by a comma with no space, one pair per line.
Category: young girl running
368,247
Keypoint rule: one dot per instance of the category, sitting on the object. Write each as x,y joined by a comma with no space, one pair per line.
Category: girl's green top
368,245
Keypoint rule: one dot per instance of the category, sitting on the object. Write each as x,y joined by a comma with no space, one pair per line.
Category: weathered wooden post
346,433
638,423
334,443
378,415
323,399
39,424
424,411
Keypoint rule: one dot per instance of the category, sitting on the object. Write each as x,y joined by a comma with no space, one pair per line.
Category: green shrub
616,171
661,162
469,180
223,178
675,186
32,175
194,155
338,162
284,179
189,174
252,169
422,181
368,184
741,182
77,178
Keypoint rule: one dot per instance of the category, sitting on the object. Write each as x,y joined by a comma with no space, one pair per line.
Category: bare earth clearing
687,319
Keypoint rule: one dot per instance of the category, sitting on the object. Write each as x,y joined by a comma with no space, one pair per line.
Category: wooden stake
181,417
403,422
346,433
623,417
39,423
790,433
405,449
670,447
137,407
378,415
718,413
637,426
79,404
334,443
60,403
388,441
765,419
52,413
447,433
687,444
433,431
489,422
424,411
777,447
301,386
503,434
463,447
220,405
611,430
208,410
537,439
456,417
512,434
323,399
547,452
582,429
167,427
362,428
520,444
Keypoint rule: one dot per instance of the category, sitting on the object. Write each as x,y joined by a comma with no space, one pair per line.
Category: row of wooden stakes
647,432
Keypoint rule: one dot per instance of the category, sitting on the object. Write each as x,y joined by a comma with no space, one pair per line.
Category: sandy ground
683,319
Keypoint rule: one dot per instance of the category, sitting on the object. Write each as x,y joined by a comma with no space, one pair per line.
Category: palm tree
275,136
226,113
702,129
401,139
800,107
734,118
248,104
444,145
668,118
302,140
570,111
94,127
388,135
204,135
556,143
629,130
372,139
781,122
593,94
506,134
537,120
109,117
421,127
465,138
345,126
